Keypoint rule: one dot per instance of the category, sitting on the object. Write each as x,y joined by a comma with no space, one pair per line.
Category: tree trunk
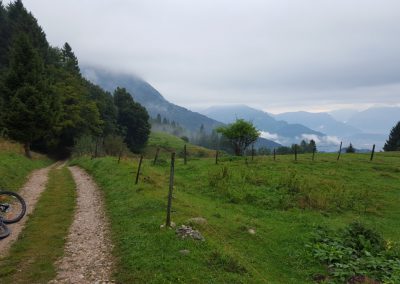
27,148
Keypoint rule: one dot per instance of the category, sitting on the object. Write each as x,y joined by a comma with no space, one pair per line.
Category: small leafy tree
240,134
393,143
350,149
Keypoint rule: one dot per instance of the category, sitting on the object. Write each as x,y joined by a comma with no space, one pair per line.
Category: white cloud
270,136
276,55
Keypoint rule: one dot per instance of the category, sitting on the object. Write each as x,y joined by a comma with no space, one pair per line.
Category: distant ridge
261,120
150,98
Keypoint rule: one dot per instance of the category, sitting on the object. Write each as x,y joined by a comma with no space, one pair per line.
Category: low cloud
270,136
322,140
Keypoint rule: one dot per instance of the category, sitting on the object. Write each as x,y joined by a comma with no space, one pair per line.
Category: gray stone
184,251
198,220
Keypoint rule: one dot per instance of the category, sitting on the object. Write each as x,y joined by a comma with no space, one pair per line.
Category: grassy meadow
15,167
282,201
167,143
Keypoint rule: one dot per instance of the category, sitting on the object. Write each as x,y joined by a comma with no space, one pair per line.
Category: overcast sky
276,55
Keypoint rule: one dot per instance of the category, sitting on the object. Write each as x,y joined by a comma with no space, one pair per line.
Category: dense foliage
350,149
303,147
240,134
44,100
356,253
393,143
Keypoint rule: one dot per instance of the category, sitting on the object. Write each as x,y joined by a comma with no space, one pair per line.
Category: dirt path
31,191
87,256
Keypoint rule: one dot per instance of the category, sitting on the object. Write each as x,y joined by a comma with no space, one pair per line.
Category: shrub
356,252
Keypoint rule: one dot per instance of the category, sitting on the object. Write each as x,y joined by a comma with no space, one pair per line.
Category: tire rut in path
30,192
87,257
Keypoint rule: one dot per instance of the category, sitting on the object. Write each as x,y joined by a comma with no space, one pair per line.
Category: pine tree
393,143
350,149
312,146
31,109
70,61
158,118
4,37
134,118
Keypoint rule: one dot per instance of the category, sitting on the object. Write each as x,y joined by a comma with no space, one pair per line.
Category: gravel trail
31,192
87,257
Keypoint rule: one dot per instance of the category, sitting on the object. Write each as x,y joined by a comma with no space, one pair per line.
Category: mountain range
149,97
262,120
361,128
155,103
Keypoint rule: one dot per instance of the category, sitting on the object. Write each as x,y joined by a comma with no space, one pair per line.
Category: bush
356,252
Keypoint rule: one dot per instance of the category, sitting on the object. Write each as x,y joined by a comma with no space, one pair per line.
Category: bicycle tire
18,204
4,231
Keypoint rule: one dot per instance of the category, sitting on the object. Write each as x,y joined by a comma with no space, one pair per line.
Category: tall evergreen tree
158,119
134,118
22,21
70,61
393,143
4,37
350,149
31,109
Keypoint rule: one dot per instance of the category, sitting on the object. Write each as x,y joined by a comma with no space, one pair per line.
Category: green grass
41,243
169,143
283,201
15,167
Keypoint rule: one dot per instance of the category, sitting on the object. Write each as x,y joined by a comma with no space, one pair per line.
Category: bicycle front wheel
12,207
4,230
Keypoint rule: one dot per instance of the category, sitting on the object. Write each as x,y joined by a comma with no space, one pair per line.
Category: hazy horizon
276,55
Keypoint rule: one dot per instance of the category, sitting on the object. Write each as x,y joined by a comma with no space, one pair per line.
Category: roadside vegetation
32,258
260,216
15,166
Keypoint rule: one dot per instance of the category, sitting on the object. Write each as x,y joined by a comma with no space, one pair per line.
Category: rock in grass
198,221
251,231
184,251
173,225
188,232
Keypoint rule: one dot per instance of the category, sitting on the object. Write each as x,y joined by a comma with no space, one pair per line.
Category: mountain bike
12,209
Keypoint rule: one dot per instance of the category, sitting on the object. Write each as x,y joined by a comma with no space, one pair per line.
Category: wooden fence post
171,187
156,156
372,153
274,154
295,152
138,171
216,157
340,150
119,155
184,155
252,151
313,153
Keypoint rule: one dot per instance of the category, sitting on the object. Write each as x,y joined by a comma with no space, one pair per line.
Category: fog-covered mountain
155,103
149,97
262,120
377,120
342,115
271,128
361,128
320,121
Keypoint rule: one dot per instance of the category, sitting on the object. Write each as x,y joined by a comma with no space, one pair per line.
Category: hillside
377,120
259,217
15,167
261,120
322,122
149,97
169,143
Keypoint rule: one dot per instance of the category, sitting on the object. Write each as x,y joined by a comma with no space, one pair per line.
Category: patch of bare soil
87,257
30,192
